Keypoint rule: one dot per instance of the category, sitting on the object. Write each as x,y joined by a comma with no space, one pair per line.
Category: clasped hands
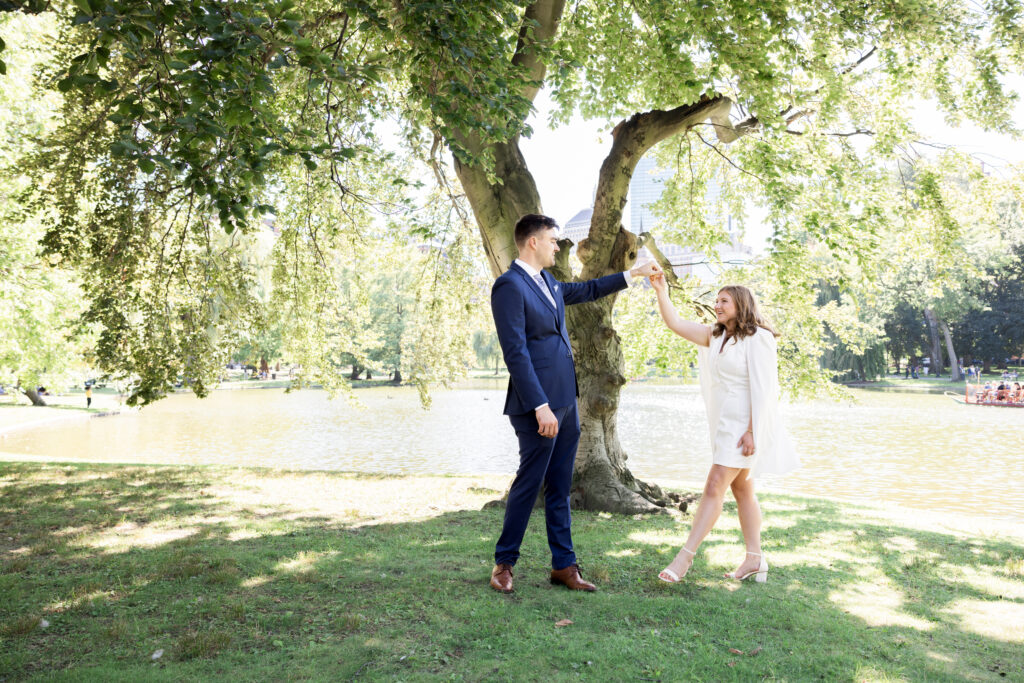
649,269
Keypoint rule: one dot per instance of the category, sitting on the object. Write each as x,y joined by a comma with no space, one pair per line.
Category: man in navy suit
529,312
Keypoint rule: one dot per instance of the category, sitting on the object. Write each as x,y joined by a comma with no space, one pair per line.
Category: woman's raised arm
689,330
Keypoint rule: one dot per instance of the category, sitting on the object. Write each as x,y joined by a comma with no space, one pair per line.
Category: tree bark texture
936,346
34,396
954,366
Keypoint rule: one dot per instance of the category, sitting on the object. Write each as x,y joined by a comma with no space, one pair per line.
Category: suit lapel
535,287
554,285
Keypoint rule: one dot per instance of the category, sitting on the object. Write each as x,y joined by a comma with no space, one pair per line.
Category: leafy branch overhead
185,118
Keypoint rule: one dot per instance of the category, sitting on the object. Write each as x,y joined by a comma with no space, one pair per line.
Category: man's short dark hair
531,224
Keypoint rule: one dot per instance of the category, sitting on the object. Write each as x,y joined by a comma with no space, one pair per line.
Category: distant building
578,227
646,188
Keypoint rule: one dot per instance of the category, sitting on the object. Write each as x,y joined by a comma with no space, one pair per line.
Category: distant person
88,395
739,379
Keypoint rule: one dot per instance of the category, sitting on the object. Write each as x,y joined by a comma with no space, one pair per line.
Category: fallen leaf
754,652
735,651
563,622
157,655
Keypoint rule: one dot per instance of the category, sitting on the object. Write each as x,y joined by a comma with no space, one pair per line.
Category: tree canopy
192,118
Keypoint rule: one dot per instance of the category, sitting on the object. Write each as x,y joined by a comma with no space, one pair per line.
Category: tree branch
632,139
753,122
730,161
540,24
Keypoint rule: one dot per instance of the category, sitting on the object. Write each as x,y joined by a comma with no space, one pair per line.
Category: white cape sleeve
775,451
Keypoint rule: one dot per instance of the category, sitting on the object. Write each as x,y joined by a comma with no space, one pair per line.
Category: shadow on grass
123,563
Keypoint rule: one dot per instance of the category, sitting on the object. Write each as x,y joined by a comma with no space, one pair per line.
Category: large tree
188,116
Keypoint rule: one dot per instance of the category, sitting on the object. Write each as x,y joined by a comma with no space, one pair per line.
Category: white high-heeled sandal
672,576
760,574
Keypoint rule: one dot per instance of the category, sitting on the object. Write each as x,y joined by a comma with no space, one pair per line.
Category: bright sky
565,162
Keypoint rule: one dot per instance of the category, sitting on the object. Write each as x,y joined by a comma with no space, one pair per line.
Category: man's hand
548,424
646,270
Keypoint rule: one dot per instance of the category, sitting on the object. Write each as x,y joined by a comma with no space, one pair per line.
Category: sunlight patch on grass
901,544
71,531
870,674
659,538
243,535
998,619
305,561
355,497
256,581
994,585
938,656
628,552
132,536
78,600
878,602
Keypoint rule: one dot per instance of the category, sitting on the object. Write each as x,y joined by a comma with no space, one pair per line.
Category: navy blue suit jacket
533,337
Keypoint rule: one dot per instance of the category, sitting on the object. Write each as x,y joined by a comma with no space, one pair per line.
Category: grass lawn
129,573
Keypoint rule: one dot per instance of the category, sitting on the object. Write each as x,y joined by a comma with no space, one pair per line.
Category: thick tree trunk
954,366
397,379
356,371
601,480
34,396
936,346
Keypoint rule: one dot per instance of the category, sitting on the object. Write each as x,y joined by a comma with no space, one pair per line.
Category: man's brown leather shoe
501,578
571,579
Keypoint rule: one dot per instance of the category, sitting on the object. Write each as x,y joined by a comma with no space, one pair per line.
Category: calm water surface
917,450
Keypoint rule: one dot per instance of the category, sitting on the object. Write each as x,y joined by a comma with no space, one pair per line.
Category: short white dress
737,380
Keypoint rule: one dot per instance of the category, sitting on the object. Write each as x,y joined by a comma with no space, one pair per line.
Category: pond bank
222,573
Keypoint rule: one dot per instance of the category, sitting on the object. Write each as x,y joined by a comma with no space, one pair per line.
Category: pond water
916,450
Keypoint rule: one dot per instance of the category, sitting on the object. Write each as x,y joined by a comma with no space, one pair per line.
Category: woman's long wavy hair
748,315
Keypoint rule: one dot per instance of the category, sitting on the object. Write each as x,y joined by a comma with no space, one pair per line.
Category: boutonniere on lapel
556,288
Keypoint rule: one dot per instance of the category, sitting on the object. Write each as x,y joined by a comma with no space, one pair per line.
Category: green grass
237,575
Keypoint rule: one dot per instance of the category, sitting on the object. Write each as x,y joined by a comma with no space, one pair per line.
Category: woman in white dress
739,381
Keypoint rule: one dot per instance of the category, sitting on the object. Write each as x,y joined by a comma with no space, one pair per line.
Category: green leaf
147,165
83,5
65,84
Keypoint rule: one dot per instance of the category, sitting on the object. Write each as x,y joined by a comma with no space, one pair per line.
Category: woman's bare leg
750,522
708,511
